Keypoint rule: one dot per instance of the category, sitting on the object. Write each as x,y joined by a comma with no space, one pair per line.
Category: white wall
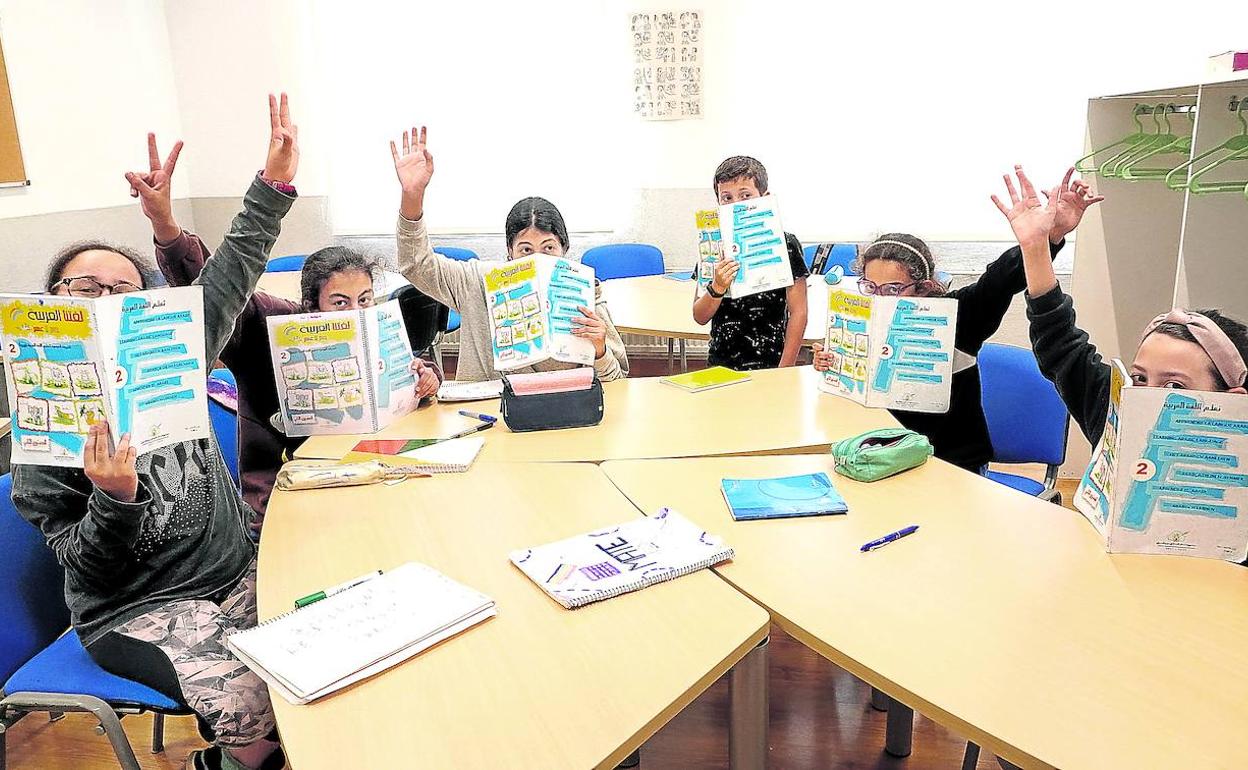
872,117
89,80
228,55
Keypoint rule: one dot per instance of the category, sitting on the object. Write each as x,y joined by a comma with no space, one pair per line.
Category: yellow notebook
705,379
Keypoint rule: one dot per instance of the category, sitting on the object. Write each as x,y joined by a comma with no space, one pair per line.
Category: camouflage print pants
231,700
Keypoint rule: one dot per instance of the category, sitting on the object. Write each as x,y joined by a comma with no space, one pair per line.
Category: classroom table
286,284
777,410
537,686
1002,618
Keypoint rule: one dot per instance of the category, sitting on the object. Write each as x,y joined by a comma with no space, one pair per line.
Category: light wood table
663,307
537,686
286,284
777,410
1001,618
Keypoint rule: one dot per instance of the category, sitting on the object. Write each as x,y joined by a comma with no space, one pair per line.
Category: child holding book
158,564
899,264
533,226
1193,350
764,330
333,278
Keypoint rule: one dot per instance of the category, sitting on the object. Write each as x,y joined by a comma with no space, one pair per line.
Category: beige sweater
461,287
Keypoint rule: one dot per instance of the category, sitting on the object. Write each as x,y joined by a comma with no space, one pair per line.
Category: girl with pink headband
899,264
1193,350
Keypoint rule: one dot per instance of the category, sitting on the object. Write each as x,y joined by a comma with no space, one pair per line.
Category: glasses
86,286
884,289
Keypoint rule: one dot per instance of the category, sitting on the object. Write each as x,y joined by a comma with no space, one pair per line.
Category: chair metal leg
970,758
158,733
684,358
108,719
671,353
879,701
899,730
747,734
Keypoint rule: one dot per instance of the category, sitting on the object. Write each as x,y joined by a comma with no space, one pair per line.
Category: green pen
328,592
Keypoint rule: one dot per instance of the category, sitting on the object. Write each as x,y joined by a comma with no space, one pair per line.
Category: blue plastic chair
45,667
290,264
624,260
456,253
1026,418
843,254
225,425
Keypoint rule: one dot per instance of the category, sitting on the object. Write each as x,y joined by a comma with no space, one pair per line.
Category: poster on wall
667,64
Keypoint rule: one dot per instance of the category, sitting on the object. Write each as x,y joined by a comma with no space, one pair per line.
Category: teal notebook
811,494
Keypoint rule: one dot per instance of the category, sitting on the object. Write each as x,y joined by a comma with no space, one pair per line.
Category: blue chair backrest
32,599
624,260
455,253
843,254
290,264
225,426
1026,418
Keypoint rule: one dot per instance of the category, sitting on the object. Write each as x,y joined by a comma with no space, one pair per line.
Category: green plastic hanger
1234,148
1110,169
1083,165
1168,144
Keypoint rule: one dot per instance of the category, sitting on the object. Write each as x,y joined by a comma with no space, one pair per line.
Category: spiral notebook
609,562
319,649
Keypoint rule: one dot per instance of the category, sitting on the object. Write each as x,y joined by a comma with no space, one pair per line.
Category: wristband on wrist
710,289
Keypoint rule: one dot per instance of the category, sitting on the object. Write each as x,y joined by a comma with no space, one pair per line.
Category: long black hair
539,213
56,268
323,264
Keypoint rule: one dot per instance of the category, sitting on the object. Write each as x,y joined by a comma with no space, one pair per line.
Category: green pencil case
878,454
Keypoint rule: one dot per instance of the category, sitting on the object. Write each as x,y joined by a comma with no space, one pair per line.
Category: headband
1217,345
926,267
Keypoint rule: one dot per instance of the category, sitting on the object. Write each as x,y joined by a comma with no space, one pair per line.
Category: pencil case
878,454
571,398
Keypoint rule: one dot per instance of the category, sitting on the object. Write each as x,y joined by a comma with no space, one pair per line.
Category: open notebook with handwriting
319,649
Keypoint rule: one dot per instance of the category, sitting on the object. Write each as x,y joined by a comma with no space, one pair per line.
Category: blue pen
475,416
899,534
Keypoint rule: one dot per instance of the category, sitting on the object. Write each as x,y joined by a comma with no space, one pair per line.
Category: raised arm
1032,223
229,277
983,304
446,280
1063,351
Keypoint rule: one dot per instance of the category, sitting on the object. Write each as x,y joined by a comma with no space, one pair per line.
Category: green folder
705,379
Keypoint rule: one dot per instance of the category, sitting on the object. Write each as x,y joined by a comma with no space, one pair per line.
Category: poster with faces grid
667,64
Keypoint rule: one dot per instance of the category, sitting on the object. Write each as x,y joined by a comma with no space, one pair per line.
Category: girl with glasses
899,264
158,564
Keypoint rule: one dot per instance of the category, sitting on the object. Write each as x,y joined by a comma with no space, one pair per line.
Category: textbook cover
348,371
1168,475
810,494
533,302
134,359
890,352
752,235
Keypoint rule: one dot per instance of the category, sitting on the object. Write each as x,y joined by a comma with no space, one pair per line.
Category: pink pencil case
562,381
